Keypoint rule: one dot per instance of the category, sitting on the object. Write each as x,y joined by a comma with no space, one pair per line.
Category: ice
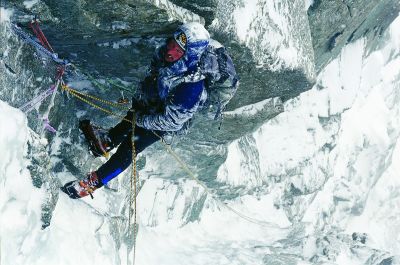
293,192
308,3
177,12
22,239
30,3
245,15
5,14
271,30
354,110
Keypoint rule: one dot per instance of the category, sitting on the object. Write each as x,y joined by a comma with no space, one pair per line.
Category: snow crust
177,12
276,32
19,201
30,3
308,3
340,139
22,241
246,18
245,15
5,14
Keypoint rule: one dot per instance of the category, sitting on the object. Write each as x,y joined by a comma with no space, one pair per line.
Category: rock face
273,47
334,23
277,47
272,51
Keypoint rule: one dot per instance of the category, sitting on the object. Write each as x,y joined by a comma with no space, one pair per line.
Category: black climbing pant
121,135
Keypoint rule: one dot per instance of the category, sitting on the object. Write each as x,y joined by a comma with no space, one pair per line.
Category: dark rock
334,23
359,237
387,261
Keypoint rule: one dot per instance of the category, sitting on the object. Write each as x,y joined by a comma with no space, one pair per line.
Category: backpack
220,77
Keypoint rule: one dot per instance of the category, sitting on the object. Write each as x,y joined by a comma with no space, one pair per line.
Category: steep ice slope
332,158
327,165
78,231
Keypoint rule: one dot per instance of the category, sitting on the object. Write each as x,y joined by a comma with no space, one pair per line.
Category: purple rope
47,125
29,106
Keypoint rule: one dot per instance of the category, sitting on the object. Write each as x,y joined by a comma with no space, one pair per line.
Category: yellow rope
133,182
177,158
193,176
134,177
78,95
116,105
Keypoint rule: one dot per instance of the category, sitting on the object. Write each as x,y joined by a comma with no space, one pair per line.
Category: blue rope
30,40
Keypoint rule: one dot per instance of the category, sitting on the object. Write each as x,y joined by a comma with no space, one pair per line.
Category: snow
120,43
245,15
354,108
30,3
21,238
271,30
308,3
252,109
177,12
119,25
382,212
19,201
83,227
5,14
338,144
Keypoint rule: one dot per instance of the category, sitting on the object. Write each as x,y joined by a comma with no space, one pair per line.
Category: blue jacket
172,93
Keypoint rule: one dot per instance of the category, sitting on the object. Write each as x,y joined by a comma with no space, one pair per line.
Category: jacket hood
194,41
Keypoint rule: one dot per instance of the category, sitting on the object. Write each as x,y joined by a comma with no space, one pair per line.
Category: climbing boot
97,138
77,189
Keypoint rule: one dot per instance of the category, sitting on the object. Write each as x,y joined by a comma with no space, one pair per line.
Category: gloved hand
137,105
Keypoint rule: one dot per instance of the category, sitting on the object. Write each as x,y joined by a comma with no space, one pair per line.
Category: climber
166,101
